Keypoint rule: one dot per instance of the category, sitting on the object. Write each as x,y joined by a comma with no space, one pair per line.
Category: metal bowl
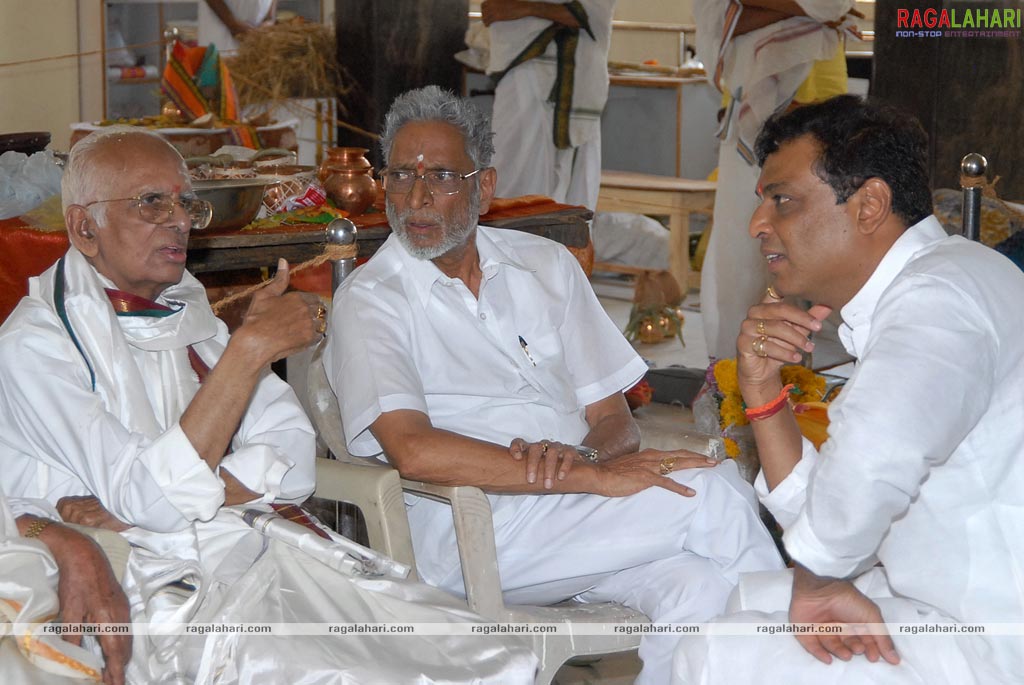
236,201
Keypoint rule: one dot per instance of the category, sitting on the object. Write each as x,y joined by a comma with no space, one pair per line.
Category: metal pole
341,232
973,166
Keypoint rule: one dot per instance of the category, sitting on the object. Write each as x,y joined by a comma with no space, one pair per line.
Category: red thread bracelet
771,408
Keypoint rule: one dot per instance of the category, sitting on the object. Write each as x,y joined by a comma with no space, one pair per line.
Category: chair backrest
374,488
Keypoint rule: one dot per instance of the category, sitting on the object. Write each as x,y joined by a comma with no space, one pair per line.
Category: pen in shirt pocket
526,350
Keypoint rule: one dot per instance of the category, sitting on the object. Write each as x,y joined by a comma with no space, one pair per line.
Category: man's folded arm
422,452
273,453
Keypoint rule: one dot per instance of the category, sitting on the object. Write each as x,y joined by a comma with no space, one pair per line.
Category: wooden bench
630,191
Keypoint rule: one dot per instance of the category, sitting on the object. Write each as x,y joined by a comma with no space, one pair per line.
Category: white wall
43,96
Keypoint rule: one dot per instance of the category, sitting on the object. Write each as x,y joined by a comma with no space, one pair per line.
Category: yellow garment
812,418
827,79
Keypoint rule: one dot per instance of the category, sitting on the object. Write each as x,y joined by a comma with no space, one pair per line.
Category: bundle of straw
295,59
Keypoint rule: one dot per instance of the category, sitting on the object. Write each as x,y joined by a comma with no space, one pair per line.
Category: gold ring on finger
322,328
665,467
544,447
762,328
772,293
321,310
758,345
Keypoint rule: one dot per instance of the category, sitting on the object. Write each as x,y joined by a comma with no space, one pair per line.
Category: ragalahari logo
996,22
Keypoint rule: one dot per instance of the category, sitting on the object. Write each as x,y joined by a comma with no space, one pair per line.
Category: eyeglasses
439,181
157,208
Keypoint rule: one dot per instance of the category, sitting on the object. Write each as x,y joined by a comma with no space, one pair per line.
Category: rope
331,253
73,55
77,54
989,190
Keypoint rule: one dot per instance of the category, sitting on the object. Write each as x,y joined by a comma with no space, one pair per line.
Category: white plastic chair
375,489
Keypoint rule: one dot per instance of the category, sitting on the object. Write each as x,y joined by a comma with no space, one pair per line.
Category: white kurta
213,30
122,443
762,70
921,472
525,155
415,339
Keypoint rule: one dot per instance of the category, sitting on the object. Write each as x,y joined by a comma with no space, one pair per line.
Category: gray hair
432,103
81,181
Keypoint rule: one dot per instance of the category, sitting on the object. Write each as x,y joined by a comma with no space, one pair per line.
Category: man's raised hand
281,323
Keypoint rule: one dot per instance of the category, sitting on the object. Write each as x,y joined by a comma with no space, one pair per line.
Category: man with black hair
913,511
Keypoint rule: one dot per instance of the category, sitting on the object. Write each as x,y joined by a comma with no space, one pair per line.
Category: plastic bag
25,182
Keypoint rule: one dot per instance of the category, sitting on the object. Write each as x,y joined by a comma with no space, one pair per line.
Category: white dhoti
525,155
925,658
733,276
677,561
289,583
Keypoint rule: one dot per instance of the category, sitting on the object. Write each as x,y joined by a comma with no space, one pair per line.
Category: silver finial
341,232
973,165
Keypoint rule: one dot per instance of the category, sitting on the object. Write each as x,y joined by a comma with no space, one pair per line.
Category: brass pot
347,176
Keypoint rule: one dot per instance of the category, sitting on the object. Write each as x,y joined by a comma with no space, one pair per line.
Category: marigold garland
723,384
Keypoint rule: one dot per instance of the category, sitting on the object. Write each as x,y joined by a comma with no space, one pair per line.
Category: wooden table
247,249
628,191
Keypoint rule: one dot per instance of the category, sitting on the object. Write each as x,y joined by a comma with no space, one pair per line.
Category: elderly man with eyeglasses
470,355
126,405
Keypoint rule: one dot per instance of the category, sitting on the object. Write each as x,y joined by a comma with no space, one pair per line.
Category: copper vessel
347,176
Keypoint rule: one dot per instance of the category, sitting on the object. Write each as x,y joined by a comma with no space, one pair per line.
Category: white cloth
28,601
212,30
408,337
122,443
630,239
762,70
734,273
525,155
922,468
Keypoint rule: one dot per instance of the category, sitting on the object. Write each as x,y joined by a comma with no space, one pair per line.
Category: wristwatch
587,453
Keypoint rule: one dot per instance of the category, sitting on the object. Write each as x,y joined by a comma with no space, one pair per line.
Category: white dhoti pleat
286,585
733,276
525,155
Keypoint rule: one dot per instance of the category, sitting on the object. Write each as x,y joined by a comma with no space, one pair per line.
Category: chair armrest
115,547
474,530
376,490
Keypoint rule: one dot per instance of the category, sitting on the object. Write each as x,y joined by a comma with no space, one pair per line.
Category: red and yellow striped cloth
198,82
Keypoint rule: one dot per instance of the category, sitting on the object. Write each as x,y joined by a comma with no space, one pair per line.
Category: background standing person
221,22
552,60
765,55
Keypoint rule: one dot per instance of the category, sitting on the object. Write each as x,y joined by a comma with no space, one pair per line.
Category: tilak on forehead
419,163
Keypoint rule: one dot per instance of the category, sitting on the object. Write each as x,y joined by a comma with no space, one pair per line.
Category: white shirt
213,30
924,466
411,338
